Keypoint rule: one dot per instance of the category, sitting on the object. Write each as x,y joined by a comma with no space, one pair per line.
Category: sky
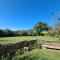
23,14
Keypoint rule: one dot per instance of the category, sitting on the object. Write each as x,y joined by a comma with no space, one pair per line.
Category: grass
42,54
15,39
36,54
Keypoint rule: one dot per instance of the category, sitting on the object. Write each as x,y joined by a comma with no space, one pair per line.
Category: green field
41,54
15,39
35,54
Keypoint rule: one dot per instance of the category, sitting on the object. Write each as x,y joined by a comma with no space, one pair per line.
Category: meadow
4,40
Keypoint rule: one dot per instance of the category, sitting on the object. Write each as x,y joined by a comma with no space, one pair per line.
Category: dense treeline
7,33
39,29
10,33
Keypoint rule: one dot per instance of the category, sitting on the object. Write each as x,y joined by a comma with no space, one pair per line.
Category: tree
30,32
18,33
2,34
9,33
39,27
57,28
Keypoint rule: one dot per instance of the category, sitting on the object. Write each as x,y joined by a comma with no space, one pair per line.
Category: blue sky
23,14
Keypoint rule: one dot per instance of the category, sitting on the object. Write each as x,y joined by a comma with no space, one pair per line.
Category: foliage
9,33
24,32
2,33
57,28
39,27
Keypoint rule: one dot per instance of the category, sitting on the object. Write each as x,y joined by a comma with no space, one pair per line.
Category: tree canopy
39,27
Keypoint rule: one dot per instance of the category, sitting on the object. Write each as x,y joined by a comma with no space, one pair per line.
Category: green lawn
15,39
41,54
